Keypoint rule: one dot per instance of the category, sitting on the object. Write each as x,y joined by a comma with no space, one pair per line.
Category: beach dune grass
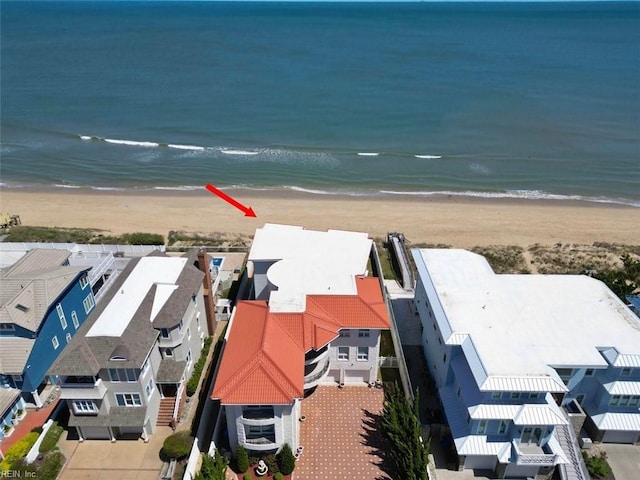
24,233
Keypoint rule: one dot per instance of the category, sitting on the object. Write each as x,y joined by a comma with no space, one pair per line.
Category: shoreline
458,221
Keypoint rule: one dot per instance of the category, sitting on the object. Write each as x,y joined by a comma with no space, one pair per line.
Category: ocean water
498,99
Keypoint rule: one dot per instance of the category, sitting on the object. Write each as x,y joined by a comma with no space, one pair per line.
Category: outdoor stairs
165,413
575,469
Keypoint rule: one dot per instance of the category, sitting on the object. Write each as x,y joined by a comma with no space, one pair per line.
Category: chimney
209,296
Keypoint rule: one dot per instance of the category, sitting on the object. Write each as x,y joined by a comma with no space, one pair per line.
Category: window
626,372
363,333
7,327
128,399
458,392
168,352
84,406
55,342
482,427
74,319
363,354
533,394
345,333
164,333
634,400
180,326
149,388
84,282
63,320
68,337
188,359
624,400
343,353
564,373
131,375
188,334
261,434
515,395
114,375
589,372
88,303
444,358
502,429
496,395
145,368
614,400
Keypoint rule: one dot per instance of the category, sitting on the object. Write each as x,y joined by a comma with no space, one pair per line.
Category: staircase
165,413
575,469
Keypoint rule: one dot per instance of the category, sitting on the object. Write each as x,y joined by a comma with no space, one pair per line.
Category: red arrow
248,211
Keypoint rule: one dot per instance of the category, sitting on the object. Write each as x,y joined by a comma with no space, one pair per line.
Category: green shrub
192,384
286,460
18,450
213,468
37,429
597,465
272,463
177,446
51,466
277,476
50,440
242,459
140,238
247,476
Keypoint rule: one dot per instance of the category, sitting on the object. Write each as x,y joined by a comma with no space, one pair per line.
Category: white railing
176,406
137,250
388,362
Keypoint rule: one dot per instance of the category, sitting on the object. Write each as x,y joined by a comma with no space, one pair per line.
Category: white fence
132,250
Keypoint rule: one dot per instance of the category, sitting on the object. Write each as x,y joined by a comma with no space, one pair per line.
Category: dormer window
119,354
7,327
164,333
22,308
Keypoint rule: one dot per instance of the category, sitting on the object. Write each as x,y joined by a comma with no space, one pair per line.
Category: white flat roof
116,316
309,262
521,325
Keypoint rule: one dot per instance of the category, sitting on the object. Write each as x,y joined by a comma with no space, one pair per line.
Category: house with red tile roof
314,317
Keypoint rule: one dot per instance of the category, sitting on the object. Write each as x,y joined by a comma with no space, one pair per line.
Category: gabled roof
263,360
94,345
14,352
617,421
30,286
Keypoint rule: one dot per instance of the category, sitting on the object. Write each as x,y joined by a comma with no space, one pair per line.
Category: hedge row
192,384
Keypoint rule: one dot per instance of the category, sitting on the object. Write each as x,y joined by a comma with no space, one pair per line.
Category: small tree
213,468
242,459
177,446
401,425
286,460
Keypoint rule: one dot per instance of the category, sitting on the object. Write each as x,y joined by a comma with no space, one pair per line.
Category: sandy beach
456,221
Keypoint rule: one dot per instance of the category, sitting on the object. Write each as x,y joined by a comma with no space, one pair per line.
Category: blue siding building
43,301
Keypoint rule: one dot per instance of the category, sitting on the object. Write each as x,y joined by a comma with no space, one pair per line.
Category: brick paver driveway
341,436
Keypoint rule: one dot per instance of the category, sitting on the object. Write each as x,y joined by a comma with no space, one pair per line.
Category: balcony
83,390
314,356
261,443
533,454
316,376
258,416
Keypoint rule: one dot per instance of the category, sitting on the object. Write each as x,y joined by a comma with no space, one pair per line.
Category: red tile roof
263,360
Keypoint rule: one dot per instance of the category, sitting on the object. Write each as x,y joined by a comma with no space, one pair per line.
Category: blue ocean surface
533,100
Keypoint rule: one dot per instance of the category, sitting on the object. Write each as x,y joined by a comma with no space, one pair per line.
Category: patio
341,436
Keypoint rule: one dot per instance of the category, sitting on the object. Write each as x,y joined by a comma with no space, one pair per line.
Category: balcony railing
257,414
261,443
538,458
316,376
83,391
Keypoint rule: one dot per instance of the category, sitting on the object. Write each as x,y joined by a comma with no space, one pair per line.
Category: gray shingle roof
14,352
30,286
170,371
117,417
8,396
87,355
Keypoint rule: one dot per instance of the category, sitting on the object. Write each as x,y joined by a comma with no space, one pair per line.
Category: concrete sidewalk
103,460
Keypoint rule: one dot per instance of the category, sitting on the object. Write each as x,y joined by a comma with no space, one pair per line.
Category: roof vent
22,308
119,354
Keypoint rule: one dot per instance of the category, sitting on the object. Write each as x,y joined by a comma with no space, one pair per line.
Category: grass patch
50,440
386,344
575,259
597,465
219,240
386,261
504,258
23,233
390,375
